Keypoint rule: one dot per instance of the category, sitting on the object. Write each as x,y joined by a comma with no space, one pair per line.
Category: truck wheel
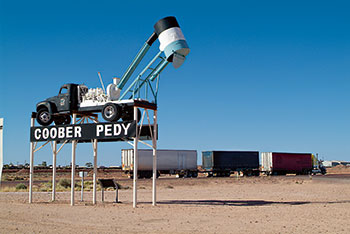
44,117
189,174
179,175
111,112
194,174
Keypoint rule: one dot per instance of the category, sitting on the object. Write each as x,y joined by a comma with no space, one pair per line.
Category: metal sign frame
134,141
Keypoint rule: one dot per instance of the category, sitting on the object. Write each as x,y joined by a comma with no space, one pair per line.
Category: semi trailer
182,163
276,163
223,163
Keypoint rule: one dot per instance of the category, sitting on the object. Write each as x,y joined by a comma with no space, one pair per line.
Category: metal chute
175,48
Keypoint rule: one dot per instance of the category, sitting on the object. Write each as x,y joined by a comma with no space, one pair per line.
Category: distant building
334,163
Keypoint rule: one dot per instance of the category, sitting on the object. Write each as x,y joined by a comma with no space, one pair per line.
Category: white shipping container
266,161
166,160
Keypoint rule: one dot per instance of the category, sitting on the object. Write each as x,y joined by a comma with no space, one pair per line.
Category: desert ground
274,204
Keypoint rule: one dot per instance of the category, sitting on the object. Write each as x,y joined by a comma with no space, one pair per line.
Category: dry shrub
65,183
21,186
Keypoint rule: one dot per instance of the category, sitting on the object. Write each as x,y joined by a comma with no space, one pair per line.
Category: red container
292,163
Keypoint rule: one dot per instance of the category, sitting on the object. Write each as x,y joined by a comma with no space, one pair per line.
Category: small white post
74,142
82,187
54,152
154,141
95,172
31,170
136,139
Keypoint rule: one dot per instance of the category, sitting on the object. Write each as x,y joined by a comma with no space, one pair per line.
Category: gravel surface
282,204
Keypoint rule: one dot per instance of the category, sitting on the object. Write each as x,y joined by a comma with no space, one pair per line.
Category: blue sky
261,75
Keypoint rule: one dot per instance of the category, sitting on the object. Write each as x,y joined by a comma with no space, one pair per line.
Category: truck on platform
118,100
223,163
182,163
79,99
277,163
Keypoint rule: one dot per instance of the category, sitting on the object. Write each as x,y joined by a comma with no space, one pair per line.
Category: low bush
64,183
18,178
21,186
8,189
7,178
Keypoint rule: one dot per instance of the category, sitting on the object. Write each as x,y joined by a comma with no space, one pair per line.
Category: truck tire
44,117
111,112
189,174
194,174
179,175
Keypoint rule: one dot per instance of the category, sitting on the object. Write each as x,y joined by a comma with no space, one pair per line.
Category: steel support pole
31,170
136,139
82,188
94,177
154,141
54,157
74,142
116,193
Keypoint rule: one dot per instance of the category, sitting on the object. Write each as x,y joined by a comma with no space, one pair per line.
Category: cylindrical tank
172,40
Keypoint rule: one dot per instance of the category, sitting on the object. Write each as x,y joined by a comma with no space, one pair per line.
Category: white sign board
83,173
1,155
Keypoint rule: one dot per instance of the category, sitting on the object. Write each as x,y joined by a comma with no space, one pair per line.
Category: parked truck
223,163
182,163
317,167
275,163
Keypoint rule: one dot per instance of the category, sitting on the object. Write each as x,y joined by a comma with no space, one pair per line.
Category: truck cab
58,108
66,100
319,170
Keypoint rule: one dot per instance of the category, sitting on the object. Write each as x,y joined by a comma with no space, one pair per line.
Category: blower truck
113,103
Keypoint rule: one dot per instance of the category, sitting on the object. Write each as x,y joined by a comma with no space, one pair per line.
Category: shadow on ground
242,202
